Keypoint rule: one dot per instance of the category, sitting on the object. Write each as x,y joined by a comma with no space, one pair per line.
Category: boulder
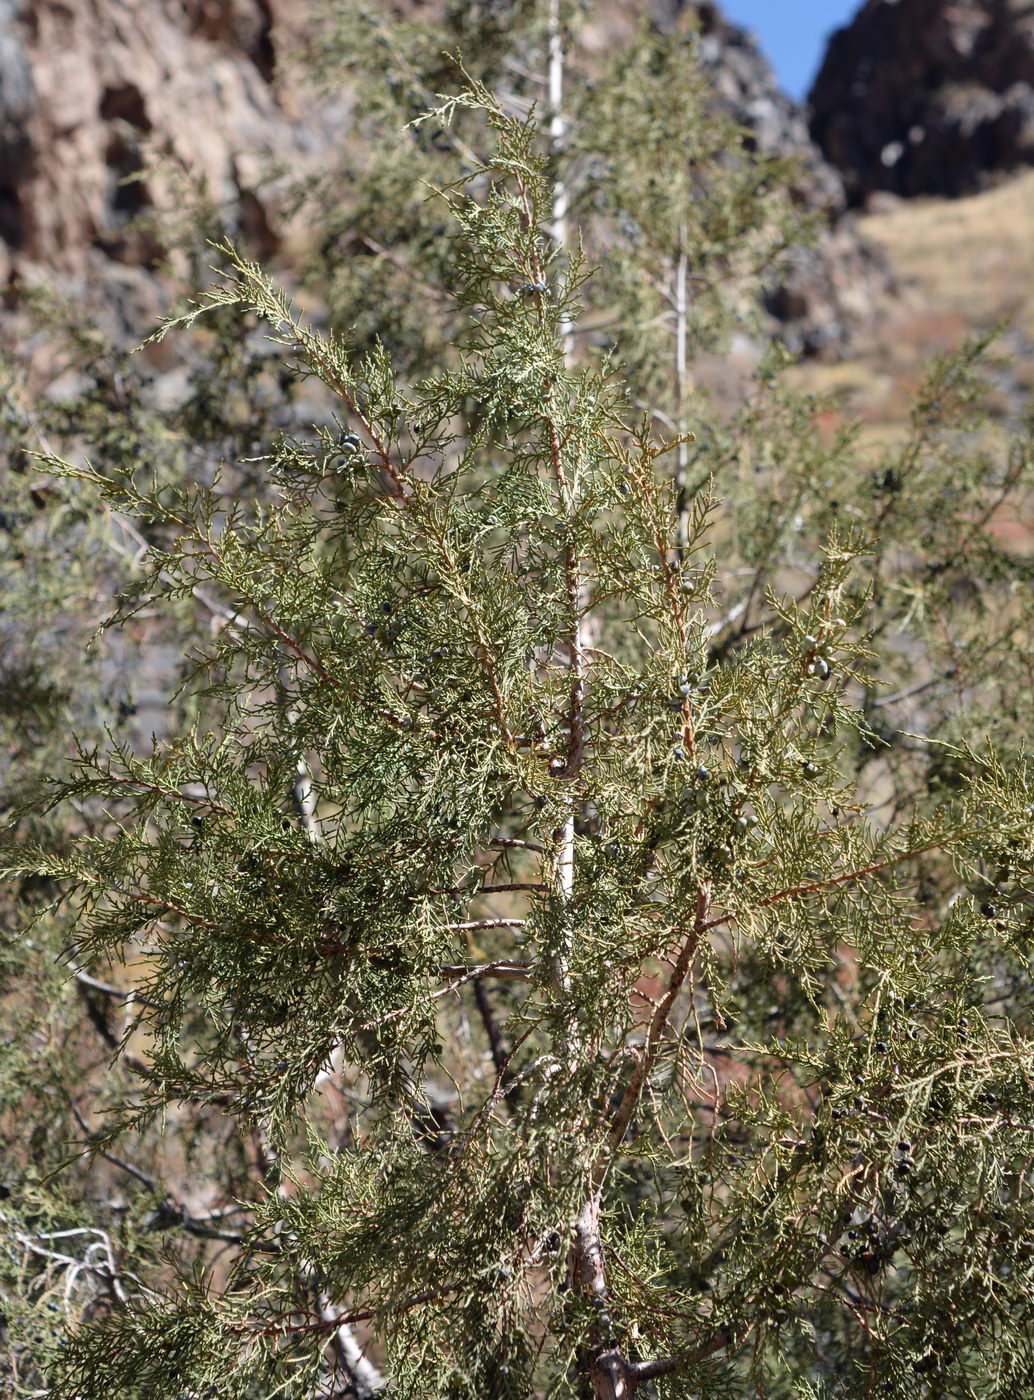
927,97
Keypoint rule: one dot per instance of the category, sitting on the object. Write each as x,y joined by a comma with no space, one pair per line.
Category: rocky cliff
927,96
86,86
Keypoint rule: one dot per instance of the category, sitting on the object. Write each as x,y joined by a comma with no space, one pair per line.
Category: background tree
689,215
381,240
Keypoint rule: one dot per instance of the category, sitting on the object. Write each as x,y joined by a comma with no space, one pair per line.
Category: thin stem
681,388
575,591
659,1021
816,885
557,136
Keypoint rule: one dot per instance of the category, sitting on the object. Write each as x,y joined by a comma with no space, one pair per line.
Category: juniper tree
62,562
730,1094
687,221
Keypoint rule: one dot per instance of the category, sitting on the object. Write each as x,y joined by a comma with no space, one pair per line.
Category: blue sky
792,33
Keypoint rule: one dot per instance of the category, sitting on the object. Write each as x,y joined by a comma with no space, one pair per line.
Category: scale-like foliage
547,972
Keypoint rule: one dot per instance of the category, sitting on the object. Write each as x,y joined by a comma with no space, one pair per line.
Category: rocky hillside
960,267
928,97
87,86
832,291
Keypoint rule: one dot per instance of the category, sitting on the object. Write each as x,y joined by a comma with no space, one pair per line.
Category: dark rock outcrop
927,96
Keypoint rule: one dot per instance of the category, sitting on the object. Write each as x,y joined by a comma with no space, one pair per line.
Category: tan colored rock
87,87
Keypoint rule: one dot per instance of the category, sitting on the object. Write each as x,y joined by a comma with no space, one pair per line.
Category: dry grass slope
962,265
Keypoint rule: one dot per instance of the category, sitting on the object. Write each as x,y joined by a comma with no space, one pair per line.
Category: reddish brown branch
659,1019
846,879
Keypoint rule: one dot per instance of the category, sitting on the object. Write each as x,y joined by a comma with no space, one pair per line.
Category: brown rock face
927,96
85,85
